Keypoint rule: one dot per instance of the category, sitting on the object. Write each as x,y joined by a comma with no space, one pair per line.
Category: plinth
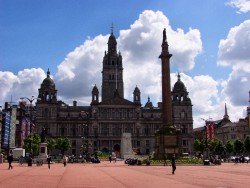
43,152
167,143
126,145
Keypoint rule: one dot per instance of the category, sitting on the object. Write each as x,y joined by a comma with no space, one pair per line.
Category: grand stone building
225,130
101,124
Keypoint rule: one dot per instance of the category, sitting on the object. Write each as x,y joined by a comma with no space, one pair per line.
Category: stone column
167,138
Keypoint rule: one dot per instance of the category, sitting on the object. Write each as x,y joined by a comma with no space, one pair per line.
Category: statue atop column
164,36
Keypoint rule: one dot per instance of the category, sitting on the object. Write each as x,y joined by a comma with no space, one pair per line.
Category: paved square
119,175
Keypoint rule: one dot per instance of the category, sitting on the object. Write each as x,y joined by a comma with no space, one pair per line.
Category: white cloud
80,70
24,84
146,34
242,5
237,87
234,50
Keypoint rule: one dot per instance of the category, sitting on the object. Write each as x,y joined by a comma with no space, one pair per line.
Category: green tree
31,143
220,148
63,144
51,144
238,146
199,145
229,147
212,144
247,144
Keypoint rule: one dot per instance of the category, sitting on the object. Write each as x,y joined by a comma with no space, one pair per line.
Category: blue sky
63,36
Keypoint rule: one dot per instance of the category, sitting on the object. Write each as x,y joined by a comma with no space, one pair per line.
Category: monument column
166,83
167,138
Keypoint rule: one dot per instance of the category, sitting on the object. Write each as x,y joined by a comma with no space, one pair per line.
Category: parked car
232,158
246,158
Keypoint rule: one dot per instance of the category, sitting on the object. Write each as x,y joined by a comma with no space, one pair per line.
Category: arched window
183,115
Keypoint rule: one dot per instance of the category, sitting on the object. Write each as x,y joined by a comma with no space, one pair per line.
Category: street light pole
30,114
86,133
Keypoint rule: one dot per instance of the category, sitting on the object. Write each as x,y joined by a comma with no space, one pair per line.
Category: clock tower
112,72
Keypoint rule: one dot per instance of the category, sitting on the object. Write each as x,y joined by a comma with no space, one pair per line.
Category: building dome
149,104
179,85
48,82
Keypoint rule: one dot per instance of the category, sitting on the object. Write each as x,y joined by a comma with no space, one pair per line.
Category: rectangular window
95,132
73,143
184,142
138,143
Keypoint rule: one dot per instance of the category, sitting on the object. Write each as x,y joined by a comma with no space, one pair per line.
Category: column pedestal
167,143
43,152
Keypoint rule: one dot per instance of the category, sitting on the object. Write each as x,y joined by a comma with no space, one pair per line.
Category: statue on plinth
43,137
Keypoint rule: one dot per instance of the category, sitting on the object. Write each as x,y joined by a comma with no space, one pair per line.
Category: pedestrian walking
10,159
110,158
48,160
65,160
173,164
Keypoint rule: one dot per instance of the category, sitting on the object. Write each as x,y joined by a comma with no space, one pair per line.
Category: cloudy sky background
209,40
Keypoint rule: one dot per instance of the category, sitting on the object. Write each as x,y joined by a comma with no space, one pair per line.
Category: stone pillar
167,138
126,145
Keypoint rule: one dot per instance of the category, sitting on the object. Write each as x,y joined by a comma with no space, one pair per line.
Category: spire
48,74
112,44
112,28
226,115
179,76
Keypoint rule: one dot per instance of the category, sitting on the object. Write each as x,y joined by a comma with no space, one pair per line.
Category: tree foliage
31,143
238,146
51,144
229,147
199,145
220,148
247,144
63,144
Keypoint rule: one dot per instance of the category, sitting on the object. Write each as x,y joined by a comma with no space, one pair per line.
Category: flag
207,131
212,131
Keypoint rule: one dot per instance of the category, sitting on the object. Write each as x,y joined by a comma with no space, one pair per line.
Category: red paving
119,175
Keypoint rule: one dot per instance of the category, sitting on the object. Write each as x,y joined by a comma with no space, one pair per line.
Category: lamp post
85,115
30,114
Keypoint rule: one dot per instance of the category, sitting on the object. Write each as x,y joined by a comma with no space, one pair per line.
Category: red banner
207,131
212,131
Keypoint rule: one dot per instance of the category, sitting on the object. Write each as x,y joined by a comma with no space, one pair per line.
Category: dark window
138,143
73,143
